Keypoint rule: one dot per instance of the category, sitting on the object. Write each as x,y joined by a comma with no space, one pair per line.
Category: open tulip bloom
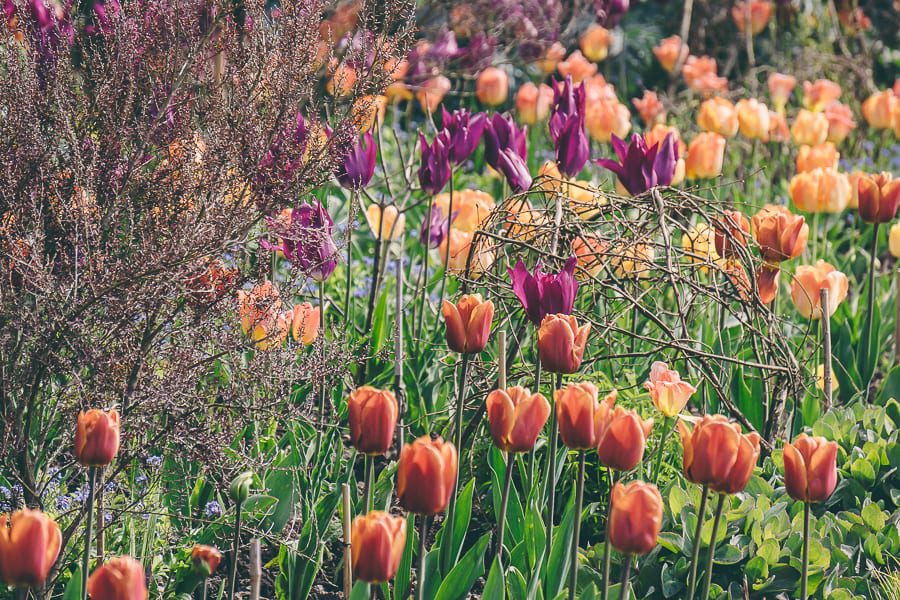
542,293
356,169
307,240
465,130
435,171
640,168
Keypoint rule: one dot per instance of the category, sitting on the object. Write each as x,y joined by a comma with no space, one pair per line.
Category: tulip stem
707,577
606,547
533,457
447,252
370,481
804,580
447,540
348,297
695,552
826,349
551,477
576,531
235,547
871,310
424,277
626,578
667,429
504,504
320,430
89,514
420,578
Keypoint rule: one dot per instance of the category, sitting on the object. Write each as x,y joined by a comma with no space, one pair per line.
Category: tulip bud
431,93
205,560
810,128
879,108
378,541
879,196
516,417
780,88
120,578
824,156
669,393
561,343
97,437
669,51
305,321
621,435
807,286
718,115
635,517
717,455
387,226
239,490
468,323
492,86
29,545
753,118
533,102
373,417
894,240
426,475
810,468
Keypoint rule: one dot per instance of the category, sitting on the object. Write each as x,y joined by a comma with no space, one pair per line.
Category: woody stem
504,504
707,577
447,540
695,553
21,593
576,531
89,513
804,583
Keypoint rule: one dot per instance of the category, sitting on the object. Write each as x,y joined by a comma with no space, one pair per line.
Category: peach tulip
894,240
781,235
780,88
650,108
454,251
305,321
810,128
767,281
879,196
468,323
205,559
879,108
97,437
471,208
760,11
778,128
719,116
698,243
840,122
576,66
431,93
669,393
426,475
373,416
631,260
533,102
387,224
658,133
492,86
854,178
578,415
378,542
342,81
635,517
120,578
818,95
516,417
731,232
29,545
605,117
621,435
810,468
807,286
561,343
823,156
669,51
820,190
590,252
705,157
594,42
753,119
718,455
261,303
548,62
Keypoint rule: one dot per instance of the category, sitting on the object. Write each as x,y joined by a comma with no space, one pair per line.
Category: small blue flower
213,509
63,503
154,461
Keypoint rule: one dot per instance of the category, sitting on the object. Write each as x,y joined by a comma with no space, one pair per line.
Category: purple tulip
610,12
478,54
640,168
307,240
356,169
545,294
567,128
465,130
435,234
501,133
567,100
434,172
103,11
515,170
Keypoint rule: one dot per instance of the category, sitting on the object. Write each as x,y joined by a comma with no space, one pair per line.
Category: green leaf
873,517
861,470
518,588
360,591
462,576
494,587
380,323
401,581
561,552
73,588
461,520
891,386
757,569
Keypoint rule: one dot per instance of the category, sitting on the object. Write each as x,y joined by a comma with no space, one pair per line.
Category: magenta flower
515,170
434,172
435,234
568,100
640,168
356,169
307,240
501,133
543,294
610,12
465,130
567,128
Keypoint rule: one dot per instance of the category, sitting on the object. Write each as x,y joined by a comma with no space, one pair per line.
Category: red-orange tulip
669,51
810,468
29,545
426,474
561,343
781,235
121,578
578,415
516,417
97,437
731,232
373,417
760,11
621,435
205,559
718,455
468,323
378,541
635,517
577,66
879,196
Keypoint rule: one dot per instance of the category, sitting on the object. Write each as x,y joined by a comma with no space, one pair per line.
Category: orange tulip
426,474
719,116
561,343
205,559
669,50
823,156
731,232
879,196
820,94
767,278
820,190
605,117
342,81
778,128
456,259
631,260
669,393
97,437
780,88
635,517
260,304
431,93
516,417
810,468
706,155
378,542
753,118
808,283
718,455
388,226
840,122
650,108
29,545
590,251
305,322
471,208
576,66
760,11
780,234
854,178
700,74
658,133
120,578
578,415
594,42
373,417
551,57
810,128
533,103
492,86
879,108
468,323
621,435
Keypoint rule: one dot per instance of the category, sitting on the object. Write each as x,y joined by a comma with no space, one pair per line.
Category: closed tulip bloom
378,541
879,196
840,122
435,170
651,110
820,191
516,417
807,286
753,119
818,95
718,455
635,517
464,130
590,252
699,247
669,50
468,323
373,417
781,235
120,578
492,86
810,468
578,415
894,240
386,224
561,343
621,435
760,11
454,251
577,67
719,116
780,88
29,545
548,62
205,559
543,293
605,118
669,393
533,102
97,437
305,321
706,155
594,42
431,93
767,281
778,128
810,128
823,156
357,166
879,108
731,232
426,474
